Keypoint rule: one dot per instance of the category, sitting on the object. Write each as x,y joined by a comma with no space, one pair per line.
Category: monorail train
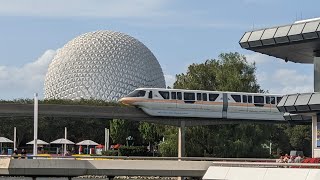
205,104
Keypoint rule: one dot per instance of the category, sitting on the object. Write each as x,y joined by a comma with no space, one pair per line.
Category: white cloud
83,8
260,58
23,82
291,81
279,77
170,79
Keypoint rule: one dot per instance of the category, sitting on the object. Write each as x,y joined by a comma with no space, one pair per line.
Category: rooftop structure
298,42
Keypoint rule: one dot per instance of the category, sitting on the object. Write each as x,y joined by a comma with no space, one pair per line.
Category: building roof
297,42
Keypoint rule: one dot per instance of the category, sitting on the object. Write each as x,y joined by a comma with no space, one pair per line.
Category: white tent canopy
5,140
87,143
62,141
39,142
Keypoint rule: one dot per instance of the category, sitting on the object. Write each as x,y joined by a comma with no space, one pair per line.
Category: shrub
110,153
133,151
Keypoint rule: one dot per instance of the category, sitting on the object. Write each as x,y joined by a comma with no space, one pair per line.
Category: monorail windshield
137,93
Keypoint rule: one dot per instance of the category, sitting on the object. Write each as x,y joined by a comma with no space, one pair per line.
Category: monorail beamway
118,112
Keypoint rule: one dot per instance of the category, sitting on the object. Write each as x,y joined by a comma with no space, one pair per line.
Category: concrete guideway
114,167
115,112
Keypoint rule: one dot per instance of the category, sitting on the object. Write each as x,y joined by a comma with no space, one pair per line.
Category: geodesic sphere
103,65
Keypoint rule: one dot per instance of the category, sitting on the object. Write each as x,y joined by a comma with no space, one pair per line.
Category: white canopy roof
87,143
62,141
39,142
5,140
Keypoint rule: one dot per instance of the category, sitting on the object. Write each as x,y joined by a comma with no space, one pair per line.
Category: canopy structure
298,42
4,140
87,143
62,141
39,142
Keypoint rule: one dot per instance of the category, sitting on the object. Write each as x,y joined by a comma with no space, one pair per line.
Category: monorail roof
298,42
190,90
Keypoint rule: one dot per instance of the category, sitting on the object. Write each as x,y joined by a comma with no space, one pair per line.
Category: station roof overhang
304,105
298,42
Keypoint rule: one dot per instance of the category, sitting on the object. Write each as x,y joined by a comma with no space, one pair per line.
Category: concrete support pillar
65,145
182,140
314,134
316,63
35,125
14,138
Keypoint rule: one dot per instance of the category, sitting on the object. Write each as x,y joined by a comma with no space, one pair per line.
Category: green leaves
230,72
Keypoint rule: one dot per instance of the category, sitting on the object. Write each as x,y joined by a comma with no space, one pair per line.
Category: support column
14,138
106,139
316,71
182,140
35,125
65,145
314,134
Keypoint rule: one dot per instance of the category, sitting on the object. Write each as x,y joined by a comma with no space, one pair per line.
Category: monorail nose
125,101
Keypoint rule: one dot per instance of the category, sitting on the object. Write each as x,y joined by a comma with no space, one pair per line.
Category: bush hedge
110,153
133,151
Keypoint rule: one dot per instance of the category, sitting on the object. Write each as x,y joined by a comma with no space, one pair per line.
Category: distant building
103,65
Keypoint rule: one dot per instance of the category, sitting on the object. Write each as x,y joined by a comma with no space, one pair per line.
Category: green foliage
231,72
121,129
169,147
300,137
151,133
133,151
110,153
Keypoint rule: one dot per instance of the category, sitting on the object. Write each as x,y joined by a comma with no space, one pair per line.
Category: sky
178,32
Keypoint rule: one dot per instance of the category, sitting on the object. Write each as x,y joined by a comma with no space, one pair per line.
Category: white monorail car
205,104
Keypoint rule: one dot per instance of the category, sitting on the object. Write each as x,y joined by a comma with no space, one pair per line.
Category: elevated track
114,112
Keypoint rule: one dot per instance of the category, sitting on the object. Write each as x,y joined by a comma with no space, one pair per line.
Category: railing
267,164
141,158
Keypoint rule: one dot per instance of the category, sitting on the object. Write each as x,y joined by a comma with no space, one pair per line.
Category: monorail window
173,95
164,94
204,96
179,95
189,96
198,96
270,100
237,98
249,99
279,99
244,98
259,99
213,97
137,93
150,94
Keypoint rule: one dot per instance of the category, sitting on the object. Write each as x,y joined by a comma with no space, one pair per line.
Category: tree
230,72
